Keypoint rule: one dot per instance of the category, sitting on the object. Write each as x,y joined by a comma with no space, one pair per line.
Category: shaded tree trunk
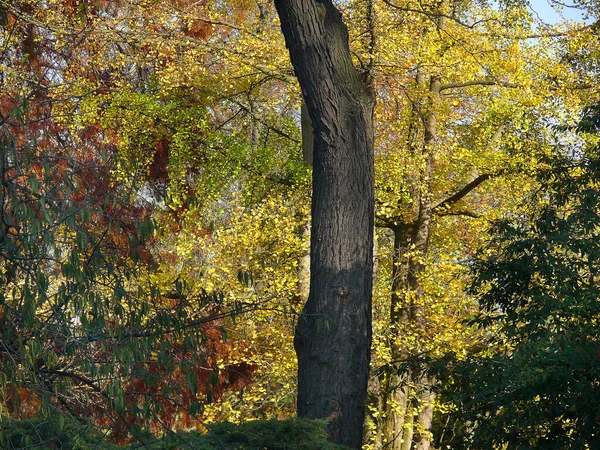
333,335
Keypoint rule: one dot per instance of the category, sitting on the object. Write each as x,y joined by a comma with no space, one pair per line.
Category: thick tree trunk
307,157
333,336
308,136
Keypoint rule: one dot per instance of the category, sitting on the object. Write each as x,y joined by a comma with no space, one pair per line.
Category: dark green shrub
538,282
292,434
46,434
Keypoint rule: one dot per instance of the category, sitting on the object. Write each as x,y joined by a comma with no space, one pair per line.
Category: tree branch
437,15
470,214
446,204
458,85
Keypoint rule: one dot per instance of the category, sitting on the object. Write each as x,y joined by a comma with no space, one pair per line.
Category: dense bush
294,434
258,435
57,434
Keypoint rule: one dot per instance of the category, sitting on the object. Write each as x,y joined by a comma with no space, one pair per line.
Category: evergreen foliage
42,434
293,434
537,282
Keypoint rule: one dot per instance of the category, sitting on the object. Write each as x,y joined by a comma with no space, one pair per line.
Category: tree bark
424,383
333,335
408,392
397,387
422,435
308,136
307,157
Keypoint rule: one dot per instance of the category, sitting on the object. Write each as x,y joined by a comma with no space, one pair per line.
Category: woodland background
156,207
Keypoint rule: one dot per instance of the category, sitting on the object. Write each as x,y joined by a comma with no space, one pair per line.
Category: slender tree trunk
374,412
333,336
397,387
408,429
426,396
409,394
397,402
422,436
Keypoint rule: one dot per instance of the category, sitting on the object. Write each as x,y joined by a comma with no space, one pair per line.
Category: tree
188,114
455,111
91,320
333,335
537,281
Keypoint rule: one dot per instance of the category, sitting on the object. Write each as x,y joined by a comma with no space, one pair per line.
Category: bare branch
372,44
443,207
437,15
458,85
446,204
549,34
465,213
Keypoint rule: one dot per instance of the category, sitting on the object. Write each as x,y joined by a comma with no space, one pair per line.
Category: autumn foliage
156,206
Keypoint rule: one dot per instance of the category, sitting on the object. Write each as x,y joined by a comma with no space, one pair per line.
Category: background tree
536,281
458,120
99,151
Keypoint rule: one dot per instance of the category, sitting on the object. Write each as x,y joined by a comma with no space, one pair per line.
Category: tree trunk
374,412
307,157
409,395
308,136
426,396
397,387
397,409
407,432
422,435
333,335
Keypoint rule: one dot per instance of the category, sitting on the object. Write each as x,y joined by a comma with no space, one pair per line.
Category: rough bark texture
333,336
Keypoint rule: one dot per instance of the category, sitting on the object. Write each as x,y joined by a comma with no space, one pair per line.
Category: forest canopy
161,163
